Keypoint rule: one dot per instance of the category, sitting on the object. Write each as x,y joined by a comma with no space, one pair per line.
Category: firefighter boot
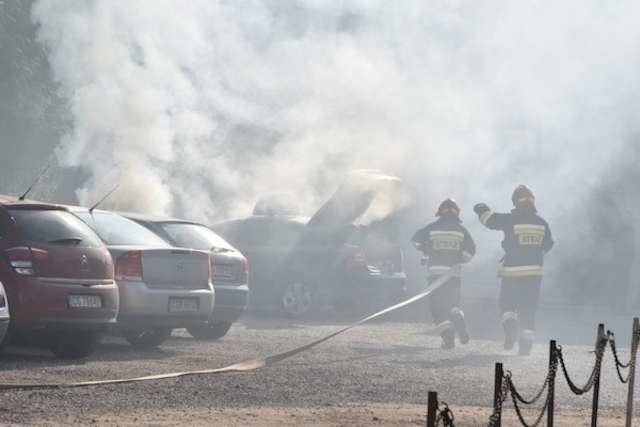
510,325
457,318
448,339
527,337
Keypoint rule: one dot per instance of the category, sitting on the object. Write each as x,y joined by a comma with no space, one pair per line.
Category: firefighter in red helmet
527,238
446,244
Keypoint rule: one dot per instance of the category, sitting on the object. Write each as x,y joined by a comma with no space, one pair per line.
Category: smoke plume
197,108
201,106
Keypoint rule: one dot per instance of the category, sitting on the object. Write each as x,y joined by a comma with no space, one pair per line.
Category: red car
58,276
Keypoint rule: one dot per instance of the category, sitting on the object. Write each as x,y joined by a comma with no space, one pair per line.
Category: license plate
84,301
183,305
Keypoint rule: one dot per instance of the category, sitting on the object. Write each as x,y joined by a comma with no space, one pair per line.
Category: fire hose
243,366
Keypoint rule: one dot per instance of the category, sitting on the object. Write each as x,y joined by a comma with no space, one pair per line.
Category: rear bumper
71,324
231,302
42,303
149,307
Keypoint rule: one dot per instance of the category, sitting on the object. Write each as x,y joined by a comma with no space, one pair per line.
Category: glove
481,208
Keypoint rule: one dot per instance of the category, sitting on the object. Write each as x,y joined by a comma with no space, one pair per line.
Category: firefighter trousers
444,304
519,301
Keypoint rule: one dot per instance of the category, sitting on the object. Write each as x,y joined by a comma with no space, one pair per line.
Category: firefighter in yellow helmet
527,238
446,244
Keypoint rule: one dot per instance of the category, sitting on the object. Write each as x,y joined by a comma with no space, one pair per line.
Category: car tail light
21,259
245,265
129,266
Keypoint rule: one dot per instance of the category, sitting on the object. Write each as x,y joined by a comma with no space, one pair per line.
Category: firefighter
446,244
527,238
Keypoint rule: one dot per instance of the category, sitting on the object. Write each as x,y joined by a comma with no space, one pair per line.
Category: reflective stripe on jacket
527,237
446,243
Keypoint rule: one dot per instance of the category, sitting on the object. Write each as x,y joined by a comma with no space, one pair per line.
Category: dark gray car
229,266
346,255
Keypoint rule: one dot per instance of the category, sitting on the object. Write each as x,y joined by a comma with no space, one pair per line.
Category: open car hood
364,197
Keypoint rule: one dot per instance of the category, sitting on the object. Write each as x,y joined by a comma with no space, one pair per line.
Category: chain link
519,411
504,393
599,351
517,398
612,343
446,416
619,365
550,377
508,387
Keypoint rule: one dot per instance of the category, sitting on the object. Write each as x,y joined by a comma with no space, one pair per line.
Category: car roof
82,209
15,202
156,218
284,219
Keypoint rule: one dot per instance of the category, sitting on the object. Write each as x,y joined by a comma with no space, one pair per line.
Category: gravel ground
377,373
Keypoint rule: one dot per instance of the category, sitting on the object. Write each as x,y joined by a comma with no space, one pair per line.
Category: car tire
210,331
297,298
74,345
148,338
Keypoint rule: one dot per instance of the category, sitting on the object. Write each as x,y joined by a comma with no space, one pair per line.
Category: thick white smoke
200,106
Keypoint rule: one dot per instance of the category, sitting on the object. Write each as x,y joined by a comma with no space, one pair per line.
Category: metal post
497,394
432,409
635,330
552,382
596,384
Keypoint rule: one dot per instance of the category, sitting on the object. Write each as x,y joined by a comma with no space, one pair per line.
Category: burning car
345,253
58,278
161,287
229,266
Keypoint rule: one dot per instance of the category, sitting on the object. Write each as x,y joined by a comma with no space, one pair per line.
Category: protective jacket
527,238
446,242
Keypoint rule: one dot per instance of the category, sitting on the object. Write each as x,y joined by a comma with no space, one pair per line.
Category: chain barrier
519,410
599,351
437,414
550,377
616,358
556,361
494,419
517,398
445,416
612,343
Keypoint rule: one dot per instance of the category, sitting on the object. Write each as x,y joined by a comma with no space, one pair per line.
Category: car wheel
210,331
296,299
74,345
148,338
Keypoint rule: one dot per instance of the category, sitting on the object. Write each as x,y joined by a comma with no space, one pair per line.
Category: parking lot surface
376,374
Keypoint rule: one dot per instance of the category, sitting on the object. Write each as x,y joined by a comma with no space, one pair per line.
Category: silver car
230,269
161,287
4,313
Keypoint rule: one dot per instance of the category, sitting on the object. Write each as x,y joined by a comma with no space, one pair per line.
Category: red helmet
449,206
522,194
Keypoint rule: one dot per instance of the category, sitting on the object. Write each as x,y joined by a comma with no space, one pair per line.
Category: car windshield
116,230
54,227
194,236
